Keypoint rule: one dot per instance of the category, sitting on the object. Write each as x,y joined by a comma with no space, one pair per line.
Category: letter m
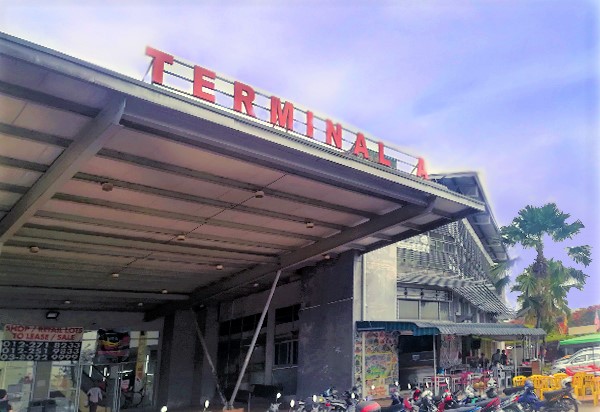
282,117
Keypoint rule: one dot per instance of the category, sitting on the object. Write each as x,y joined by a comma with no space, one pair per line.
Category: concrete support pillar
176,379
270,347
43,374
210,329
326,339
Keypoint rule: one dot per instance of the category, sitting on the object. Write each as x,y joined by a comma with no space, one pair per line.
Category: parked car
584,358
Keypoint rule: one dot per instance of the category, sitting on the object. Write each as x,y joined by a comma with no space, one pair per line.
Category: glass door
17,378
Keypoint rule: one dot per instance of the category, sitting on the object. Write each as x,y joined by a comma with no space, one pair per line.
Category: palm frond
581,254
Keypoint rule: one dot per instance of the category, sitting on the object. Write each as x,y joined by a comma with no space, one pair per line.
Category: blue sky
505,88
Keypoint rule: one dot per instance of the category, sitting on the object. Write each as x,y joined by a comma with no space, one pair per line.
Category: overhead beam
351,235
186,197
180,216
45,99
152,164
164,167
133,242
92,221
164,214
86,144
15,291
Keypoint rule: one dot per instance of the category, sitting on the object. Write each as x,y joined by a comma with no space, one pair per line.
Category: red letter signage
360,146
333,135
158,64
243,94
283,118
421,172
382,159
310,128
200,83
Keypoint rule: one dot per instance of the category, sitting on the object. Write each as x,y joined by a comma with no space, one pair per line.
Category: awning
476,291
593,339
120,195
419,328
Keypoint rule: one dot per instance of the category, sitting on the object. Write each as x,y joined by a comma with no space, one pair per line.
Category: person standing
4,405
482,362
94,397
503,358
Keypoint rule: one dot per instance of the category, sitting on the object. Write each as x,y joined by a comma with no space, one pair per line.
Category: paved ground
588,407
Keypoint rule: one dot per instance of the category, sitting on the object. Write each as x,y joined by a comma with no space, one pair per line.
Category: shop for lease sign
40,343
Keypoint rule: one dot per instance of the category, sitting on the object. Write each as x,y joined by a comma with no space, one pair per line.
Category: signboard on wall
113,345
40,343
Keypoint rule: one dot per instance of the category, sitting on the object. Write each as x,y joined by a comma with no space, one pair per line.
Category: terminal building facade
149,230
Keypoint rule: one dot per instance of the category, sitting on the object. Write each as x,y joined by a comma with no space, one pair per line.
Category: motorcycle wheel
567,405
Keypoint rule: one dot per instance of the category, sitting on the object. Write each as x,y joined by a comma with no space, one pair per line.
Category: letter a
360,146
421,172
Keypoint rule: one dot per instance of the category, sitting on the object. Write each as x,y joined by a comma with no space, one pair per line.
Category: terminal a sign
282,114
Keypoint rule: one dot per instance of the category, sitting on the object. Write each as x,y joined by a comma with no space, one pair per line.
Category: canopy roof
421,328
117,194
593,339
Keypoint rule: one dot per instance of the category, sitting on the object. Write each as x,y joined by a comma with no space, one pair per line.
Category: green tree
544,285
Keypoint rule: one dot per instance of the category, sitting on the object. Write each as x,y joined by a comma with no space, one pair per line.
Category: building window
444,311
429,310
286,352
287,314
408,309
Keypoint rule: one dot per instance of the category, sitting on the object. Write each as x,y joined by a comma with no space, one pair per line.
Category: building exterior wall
381,278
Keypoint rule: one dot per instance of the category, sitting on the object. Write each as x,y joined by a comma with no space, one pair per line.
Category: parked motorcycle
511,402
560,400
275,405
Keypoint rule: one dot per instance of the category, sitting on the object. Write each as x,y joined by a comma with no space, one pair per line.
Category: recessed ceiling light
34,249
67,302
327,256
141,304
310,224
219,267
115,275
181,237
107,186
255,285
259,194
164,291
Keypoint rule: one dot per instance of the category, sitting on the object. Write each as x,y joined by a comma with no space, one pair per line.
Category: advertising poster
40,343
113,345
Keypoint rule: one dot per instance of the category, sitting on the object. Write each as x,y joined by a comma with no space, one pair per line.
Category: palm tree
545,300
545,283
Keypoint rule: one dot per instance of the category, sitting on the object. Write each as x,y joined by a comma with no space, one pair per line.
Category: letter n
333,134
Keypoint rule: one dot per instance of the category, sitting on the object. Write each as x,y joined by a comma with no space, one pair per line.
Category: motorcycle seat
514,389
552,394
482,403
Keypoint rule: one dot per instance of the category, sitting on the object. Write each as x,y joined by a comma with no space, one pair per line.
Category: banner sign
39,343
113,345
20,350
208,86
42,333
